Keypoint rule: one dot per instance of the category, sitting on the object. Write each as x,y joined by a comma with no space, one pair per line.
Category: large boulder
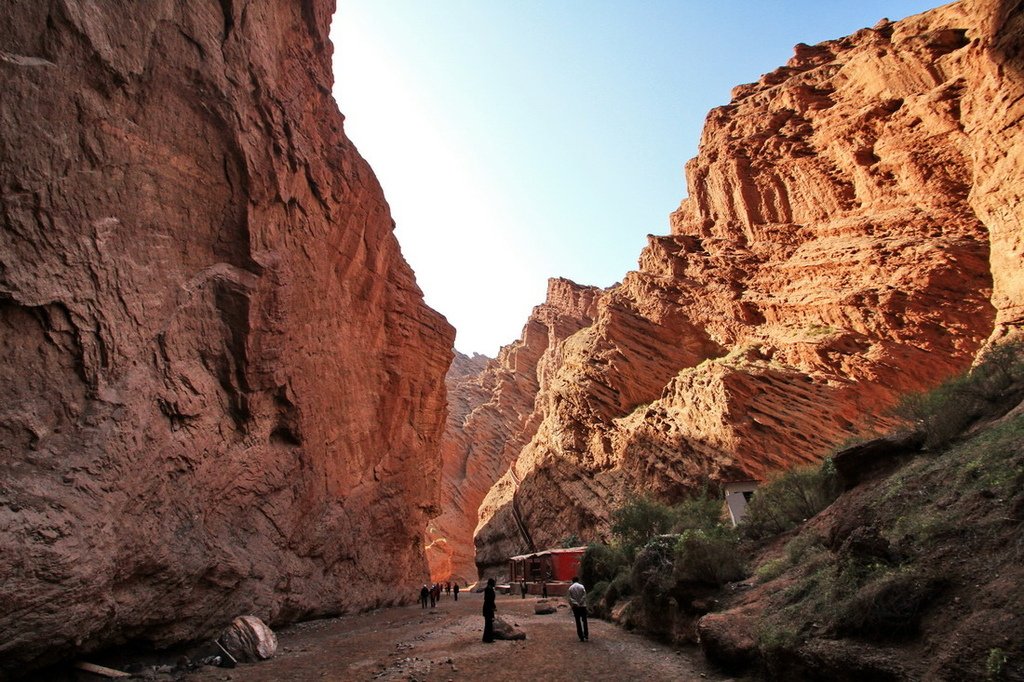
248,639
728,640
544,607
505,630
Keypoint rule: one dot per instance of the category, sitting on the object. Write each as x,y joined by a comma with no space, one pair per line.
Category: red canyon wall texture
222,390
491,418
853,230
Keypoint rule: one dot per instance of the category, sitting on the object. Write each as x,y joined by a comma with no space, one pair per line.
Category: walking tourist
424,593
578,601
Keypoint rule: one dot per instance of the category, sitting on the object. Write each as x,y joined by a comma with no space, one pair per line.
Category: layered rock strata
223,393
490,419
852,232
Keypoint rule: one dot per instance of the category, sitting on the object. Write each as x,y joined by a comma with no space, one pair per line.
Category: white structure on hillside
737,495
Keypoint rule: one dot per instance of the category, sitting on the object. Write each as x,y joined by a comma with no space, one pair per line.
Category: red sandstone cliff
853,231
222,390
490,419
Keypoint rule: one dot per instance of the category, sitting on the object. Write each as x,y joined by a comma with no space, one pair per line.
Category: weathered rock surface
545,607
449,554
505,630
490,419
249,639
222,390
853,231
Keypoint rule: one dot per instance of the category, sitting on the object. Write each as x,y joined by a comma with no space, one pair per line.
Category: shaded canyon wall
853,231
223,392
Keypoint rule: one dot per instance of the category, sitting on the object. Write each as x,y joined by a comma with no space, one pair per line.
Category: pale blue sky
517,141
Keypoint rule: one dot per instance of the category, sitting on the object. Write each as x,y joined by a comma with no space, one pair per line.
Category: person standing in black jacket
489,610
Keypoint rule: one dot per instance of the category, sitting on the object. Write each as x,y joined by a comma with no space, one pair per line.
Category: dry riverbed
410,643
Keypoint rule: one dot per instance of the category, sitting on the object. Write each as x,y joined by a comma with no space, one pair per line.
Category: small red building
551,565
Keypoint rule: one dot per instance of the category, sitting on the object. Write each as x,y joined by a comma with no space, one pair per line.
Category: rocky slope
853,231
223,392
912,574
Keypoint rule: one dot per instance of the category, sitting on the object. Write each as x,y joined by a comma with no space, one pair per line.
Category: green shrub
995,664
798,547
621,587
792,497
889,607
652,572
639,520
946,411
601,563
703,512
596,596
710,557
570,541
770,570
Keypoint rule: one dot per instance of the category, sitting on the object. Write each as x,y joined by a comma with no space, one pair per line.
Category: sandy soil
409,643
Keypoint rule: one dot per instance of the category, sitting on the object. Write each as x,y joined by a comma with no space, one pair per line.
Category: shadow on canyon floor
409,643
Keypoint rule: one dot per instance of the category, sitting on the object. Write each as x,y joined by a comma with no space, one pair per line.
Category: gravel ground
409,643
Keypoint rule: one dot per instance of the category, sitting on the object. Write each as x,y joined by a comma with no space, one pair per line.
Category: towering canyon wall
491,417
223,392
853,231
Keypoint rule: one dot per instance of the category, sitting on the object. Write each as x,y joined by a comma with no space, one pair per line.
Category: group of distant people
543,588
577,596
433,593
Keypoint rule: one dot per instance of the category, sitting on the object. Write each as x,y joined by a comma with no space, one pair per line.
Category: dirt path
409,643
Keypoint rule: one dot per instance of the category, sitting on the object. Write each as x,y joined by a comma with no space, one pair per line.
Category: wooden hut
555,567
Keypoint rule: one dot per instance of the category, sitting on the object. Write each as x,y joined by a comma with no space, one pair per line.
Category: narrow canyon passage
409,643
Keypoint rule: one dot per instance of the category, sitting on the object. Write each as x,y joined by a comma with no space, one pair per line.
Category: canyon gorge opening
226,395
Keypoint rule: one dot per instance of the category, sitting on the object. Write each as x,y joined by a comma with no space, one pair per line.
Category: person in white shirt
578,601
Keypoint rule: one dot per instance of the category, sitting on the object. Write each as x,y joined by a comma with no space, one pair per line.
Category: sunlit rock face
853,231
491,417
223,393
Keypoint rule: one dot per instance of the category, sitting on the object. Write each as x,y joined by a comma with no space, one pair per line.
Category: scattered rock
504,630
545,606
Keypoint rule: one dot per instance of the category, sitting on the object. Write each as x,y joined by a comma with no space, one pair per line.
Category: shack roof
560,550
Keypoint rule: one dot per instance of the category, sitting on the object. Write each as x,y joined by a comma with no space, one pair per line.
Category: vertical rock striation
223,391
852,232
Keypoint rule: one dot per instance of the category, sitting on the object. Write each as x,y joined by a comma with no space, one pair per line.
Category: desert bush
798,547
995,664
792,497
620,587
652,572
570,541
946,411
772,569
601,563
639,520
889,607
703,512
596,597
710,557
